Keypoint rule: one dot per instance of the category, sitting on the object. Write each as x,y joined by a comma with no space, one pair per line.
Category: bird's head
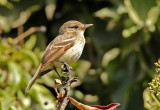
73,26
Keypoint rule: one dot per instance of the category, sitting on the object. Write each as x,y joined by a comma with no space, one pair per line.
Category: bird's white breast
73,53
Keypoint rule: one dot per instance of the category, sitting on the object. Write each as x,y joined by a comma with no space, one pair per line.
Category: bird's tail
34,78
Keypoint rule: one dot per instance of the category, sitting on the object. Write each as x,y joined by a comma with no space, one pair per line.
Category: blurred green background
117,63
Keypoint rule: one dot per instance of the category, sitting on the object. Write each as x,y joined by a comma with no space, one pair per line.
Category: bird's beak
87,26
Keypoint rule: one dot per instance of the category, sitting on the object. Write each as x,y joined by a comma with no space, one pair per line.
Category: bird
66,47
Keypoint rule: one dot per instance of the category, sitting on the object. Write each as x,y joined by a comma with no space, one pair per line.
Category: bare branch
27,33
63,99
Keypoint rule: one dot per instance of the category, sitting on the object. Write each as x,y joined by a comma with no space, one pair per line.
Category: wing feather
56,48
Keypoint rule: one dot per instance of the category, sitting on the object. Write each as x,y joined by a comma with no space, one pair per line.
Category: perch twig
63,97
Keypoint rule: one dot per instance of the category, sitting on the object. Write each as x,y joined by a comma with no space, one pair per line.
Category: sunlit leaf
31,55
43,96
23,17
152,18
91,98
133,14
128,32
7,102
4,93
1,105
50,8
147,99
26,101
105,12
138,10
78,94
110,55
17,75
48,80
104,77
4,24
30,43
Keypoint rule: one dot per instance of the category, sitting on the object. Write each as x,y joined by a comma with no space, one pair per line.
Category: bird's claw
75,79
65,68
64,79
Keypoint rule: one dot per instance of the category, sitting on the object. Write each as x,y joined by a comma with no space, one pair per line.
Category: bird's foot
65,68
64,79
75,79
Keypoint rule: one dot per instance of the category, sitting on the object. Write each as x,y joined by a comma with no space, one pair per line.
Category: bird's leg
55,69
62,78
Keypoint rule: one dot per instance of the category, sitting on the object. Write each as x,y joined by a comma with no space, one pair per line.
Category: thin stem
25,34
28,32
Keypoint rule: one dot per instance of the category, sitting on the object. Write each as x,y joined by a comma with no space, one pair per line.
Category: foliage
151,94
117,60
16,64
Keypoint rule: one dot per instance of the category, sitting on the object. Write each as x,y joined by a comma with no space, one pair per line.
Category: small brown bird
66,47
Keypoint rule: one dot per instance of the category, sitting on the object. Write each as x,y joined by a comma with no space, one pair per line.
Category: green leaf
4,93
128,32
1,105
26,101
110,55
105,12
138,10
148,100
42,96
6,100
48,80
13,15
152,18
16,71
31,55
30,43
50,8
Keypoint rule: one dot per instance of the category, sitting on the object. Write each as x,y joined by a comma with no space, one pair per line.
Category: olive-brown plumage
66,47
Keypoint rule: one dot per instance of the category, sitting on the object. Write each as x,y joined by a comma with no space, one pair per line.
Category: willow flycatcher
66,47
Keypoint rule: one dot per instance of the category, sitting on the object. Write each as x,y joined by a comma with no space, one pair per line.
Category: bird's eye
75,27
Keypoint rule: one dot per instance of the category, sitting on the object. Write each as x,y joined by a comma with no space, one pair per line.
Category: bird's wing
56,48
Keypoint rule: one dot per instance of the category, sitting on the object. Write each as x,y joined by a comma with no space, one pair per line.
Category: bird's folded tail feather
35,77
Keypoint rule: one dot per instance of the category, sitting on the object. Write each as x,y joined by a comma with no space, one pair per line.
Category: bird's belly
72,54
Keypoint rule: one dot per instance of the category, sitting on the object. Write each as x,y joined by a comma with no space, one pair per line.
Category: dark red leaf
108,107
